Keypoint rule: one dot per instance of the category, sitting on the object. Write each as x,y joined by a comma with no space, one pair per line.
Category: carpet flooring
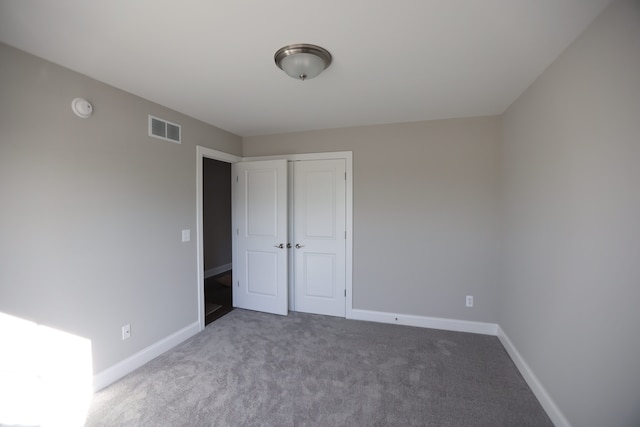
256,369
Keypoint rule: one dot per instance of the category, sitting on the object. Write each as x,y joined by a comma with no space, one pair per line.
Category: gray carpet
256,369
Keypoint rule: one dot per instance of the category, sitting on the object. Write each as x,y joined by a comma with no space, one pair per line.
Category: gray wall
216,213
425,212
571,281
92,209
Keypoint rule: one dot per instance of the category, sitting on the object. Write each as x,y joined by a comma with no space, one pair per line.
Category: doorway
317,246
204,152
216,231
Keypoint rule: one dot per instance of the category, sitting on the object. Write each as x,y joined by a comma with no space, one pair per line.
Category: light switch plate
186,235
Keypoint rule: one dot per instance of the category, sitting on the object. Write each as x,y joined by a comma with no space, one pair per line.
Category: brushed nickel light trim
290,59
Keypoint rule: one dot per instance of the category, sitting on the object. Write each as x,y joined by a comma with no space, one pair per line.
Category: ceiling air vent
163,129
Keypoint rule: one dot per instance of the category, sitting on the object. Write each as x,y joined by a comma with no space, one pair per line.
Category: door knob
280,246
298,246
288,245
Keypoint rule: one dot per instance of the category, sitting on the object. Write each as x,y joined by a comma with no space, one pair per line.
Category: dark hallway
217,296
216,210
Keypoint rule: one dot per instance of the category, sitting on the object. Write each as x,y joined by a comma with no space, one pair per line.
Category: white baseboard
217,270
425,322
556,415
119,370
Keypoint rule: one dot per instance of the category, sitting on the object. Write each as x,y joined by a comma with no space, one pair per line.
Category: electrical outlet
469,300
126,331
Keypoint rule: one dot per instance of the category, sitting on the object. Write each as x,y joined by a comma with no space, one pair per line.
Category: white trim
349,237
130,364
217,270
291,266
552,410
201,153
306,156
210,153
426,322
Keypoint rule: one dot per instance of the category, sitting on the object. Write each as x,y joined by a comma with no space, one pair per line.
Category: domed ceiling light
302,61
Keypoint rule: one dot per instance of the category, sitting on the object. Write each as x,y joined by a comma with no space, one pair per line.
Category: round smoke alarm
81,107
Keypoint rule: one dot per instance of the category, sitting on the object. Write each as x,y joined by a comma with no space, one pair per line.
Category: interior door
260,223
319,188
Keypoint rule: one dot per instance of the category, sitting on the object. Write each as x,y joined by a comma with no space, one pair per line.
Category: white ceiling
394,61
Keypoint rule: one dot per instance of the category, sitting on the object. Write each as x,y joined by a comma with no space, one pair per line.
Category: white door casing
319,239
203,152
260,261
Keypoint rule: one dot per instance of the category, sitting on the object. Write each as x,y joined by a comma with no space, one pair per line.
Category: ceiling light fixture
302,61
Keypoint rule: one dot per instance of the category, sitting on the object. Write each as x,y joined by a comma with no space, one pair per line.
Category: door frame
201,154
204,152
348,158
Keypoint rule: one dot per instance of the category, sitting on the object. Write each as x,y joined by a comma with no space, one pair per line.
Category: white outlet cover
186,235
126,332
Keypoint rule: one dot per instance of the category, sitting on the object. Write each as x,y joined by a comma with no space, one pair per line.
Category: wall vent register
159,128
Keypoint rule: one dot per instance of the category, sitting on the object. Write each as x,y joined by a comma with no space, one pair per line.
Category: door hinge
237,179
345,293
345,234
237,231
345,176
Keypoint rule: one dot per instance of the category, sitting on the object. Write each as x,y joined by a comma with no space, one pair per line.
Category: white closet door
320,236
260,262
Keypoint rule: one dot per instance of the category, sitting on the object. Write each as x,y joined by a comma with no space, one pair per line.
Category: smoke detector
82,107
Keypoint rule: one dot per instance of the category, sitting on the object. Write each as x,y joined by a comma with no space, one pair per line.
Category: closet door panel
260,261
319,210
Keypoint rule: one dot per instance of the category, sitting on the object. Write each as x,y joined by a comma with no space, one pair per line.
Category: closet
290,224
